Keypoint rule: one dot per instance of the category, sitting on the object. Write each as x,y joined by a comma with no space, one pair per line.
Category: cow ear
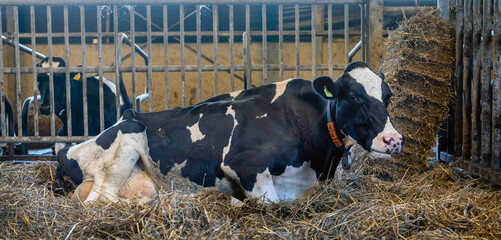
325,87
381,75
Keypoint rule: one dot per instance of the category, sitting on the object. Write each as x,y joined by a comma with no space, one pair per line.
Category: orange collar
332,128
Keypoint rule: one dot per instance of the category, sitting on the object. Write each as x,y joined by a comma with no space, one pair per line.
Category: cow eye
352,97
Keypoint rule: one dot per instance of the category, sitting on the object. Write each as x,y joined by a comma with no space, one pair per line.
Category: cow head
358,101
59,86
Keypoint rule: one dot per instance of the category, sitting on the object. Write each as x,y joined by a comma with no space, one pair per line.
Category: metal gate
184,51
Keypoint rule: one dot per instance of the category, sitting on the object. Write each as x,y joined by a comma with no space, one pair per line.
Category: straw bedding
364,203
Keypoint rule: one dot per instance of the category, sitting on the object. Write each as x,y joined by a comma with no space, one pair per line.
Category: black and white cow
77,108
273,141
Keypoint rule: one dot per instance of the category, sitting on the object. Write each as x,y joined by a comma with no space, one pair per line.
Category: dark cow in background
77,108
273,141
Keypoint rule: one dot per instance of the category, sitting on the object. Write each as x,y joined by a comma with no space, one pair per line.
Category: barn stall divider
473,135
191,50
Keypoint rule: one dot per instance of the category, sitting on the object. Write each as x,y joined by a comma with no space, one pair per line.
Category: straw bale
419,66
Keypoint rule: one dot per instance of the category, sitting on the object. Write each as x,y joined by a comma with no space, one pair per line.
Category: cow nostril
386,141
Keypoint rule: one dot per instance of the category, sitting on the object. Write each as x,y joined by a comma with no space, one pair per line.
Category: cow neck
334,132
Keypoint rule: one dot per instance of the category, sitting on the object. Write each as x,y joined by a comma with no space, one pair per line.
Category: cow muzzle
386,144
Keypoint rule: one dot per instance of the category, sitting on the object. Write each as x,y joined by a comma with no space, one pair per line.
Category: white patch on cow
159,129
231,112
371,81
54,64
262,116
280,89
113,88
60,113
235,93
264,187
110,168
377,142
293,182
196,134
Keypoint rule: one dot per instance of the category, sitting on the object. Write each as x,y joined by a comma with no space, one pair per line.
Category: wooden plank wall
477,119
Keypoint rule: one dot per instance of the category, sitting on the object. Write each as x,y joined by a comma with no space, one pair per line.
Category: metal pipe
160,2
354,51
22,47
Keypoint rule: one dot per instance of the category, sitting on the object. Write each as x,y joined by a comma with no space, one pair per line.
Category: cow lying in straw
271,142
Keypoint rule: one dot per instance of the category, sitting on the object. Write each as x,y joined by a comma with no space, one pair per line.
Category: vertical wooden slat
18,69
215,27
232,48
475,82
100,64
67,70
313,43
486,116
118,58
329,37
247,55
281,41
84,71
166,56
467,75
496,88
265,46
346,33
199,53
3,118
133,58
375,34
458,107
181,30
34,66
150,52
296,35
51,73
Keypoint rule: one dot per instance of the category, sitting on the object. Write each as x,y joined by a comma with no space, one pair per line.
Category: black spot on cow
107,138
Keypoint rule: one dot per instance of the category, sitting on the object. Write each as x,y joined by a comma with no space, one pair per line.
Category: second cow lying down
272,142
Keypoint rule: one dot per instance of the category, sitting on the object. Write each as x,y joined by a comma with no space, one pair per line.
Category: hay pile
442,203
418,66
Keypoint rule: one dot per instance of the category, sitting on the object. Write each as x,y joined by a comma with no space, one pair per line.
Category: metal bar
467,74
136,105
215,27
458,107
363,31
100,62
22,47
160,2
281,41
232,48
3,117
496,87
51,73
18,70
166,56
199,53
84,71
149,79
296,38
43,139
486,98
319,33
67,72
354,51
346,33
265,44
183,80
34,65
329,38
475,82
313,43
118,56
247,45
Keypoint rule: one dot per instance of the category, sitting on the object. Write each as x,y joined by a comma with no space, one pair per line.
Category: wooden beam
376,48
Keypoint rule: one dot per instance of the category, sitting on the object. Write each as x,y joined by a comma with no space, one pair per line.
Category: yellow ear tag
327,92
77,77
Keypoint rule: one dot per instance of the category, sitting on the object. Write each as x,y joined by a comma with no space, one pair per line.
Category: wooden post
486,115
375,34
475,82
458,107
467,74
496,87
319,26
